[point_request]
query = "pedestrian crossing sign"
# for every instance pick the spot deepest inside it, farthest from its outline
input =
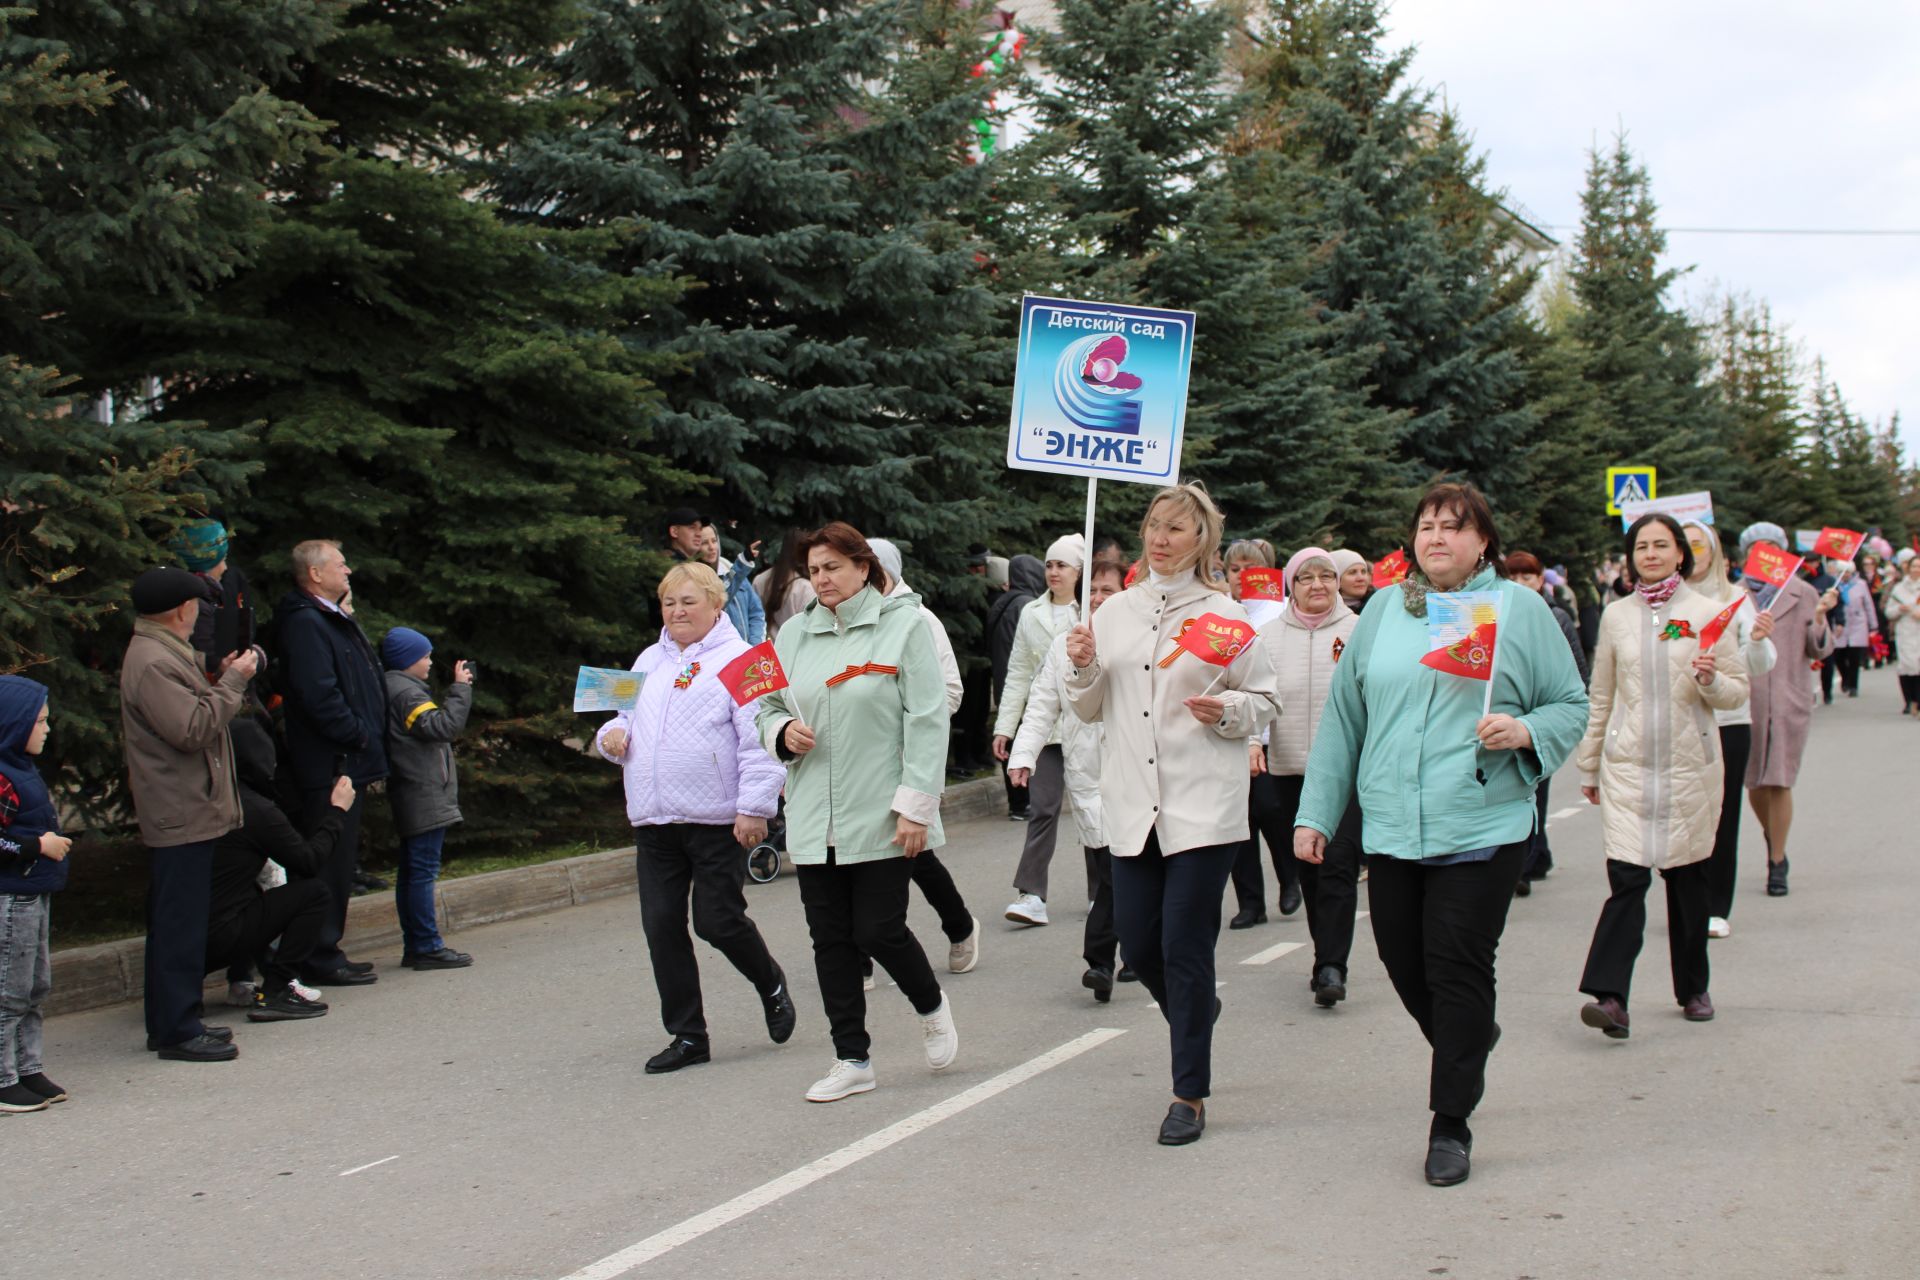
(1628, 484)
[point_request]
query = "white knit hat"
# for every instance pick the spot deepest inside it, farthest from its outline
(1071, 549)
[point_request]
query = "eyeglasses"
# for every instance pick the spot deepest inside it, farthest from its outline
(1322, 577)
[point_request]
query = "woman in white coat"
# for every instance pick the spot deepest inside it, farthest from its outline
(1903, 615)
(1750, 630)
(1173, 775)
(1047, 719)
(1651, 760)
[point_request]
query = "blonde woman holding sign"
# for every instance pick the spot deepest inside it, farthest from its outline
(1173, 773)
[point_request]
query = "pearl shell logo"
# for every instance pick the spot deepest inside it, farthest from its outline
(1092, 389)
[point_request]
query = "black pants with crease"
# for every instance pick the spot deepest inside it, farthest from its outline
(1623, 927)
(680, 863)
(1167, 911)
(854, 911)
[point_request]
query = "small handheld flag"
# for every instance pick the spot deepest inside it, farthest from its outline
(754, 674)
(1391, 569)
(1212, 638)
(1258, 583)
(1769, 564)
(1711, 633)
(606, 689)
(1838, 544)
(1470, 656)
(1463, 633)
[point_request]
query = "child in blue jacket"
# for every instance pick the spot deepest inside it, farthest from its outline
(33, 866)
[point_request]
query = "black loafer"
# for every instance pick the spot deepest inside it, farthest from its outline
(1449, 1161)
(201, 1048)
(1126, 975)
(1524, 889)
(681, 1053)
(1248, 918)
(444, 958)
(223, 1034)
(342, 978)
(1183, 1124)
(781, 1015)
(357, 966)
(1289, 899)
(1100, 982)
(1329, 987)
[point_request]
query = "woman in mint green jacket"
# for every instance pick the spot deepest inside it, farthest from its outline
(862, 725)
(1446, 794)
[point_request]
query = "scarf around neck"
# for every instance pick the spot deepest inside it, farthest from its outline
(1658, 593)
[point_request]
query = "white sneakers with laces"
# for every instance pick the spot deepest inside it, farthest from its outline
(1027, 909)
(845, 1079)
(1718, 928)
(964, 954)
(943, 1038)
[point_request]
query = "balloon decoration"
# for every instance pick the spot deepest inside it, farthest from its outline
(1006, 43)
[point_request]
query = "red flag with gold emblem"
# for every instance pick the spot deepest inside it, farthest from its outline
(1391, 569)
(1212, 638)
(754, 674)
(1258, 583)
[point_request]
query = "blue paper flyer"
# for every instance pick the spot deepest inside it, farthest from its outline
(606, 689)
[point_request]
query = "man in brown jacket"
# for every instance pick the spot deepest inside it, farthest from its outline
(180, 771)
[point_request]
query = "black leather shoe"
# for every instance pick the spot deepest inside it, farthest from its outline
(1100, 982)
(357, 966)
(781, 1015)
(1289, 899)
(201, 1048)
(1329, 987)
(444, 958)
(342, 978)
(1248, 918)
(1126, 975)
(223, 1034)
(1524, 889)
(1449, 1161)
(681, 1053)
(1183, 1124)
(1777, 879)
(1218, 1005)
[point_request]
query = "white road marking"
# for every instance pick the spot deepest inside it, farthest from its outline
(348, 1173)
(645, 1251)
(1567, 812)
(1273, 953)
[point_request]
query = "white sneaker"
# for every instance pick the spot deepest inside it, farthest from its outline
(240, 994)
(846, 1079)
(866, 983)
(964, 954)
(302, 990)
(943, 1038)
(1027, 909)
(1718, 928)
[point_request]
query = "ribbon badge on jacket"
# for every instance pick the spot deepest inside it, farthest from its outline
(754, 674)
(867, 669)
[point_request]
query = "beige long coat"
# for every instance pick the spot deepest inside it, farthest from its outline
(1652, 746)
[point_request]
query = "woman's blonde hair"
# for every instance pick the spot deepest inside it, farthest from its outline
(1192, 501)
(1251, 551)
(1715, 583)
(699, 577)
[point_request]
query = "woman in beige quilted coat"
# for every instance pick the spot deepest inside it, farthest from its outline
(1651, 761)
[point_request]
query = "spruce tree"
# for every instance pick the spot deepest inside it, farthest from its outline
(1755, 369)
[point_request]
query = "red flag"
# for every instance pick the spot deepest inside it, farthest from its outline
(1769, 564)
(1711, 633)
(754, 674)
(1391, 569)
(1470, 656)
(1212, 638)
(1257, 583)
(1838, 544)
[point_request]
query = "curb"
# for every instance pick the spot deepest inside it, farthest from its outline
(113, 972)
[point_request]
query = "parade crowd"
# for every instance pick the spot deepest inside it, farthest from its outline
(1318, 725)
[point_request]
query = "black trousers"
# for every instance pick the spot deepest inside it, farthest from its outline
(973, 734)
(1539, 852)
(854, 911)
(1910, 691)
(1331, 889)
(1623, 926)
(684, 861)
(336, 874)
(1167, 910)
(1846, 662)
(1100, 941)
(1736, 744)
(294, 913)
(935, 882)
(179, 895)
(1438, 930)
(1265, 818)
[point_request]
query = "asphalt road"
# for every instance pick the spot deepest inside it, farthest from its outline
(496, 1123)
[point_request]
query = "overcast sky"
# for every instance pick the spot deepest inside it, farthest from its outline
(1763, 114)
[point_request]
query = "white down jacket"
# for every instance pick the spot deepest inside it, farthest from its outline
(1048, 719)
(1651, 746)
(1303, 662)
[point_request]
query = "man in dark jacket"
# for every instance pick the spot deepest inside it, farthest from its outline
(243, 919)
(425, 790)
(335, 726)
(1026, 581)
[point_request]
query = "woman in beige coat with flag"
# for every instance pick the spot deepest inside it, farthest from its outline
(1651, 760)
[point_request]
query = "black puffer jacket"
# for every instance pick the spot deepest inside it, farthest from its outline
(1026, 581)
(267, 833)
(336, 707)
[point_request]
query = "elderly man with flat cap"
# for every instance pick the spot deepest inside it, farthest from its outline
(185, 795)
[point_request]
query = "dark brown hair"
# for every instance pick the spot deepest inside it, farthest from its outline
(1523, 562)
(1679, 538)
(1468, 505)
(852, 544)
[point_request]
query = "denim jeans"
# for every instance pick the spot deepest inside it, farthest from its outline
(413, 890)
(26, 976)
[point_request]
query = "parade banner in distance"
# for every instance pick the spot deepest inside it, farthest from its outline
(754, 674)
(1100, 390)
(1687, 508)
(1258, 583)
(606, 689)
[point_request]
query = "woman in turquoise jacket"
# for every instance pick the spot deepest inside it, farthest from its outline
(1446, 793)
(862, 725)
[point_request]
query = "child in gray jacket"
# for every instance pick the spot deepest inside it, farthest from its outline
(422, 787)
